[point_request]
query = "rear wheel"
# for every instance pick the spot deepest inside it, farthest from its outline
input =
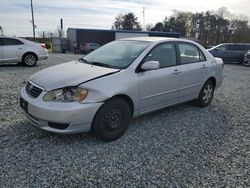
(246, 63)
(29, 59)
(206, 94)
(111, 120)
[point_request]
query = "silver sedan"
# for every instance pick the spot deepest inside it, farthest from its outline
(123, 79)
(15, 50)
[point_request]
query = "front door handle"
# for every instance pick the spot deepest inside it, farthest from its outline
(204, 66)
(176, 71)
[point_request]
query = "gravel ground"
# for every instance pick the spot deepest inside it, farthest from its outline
(181, 146)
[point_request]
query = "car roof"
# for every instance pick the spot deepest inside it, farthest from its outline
(156, 39)
(3, 36)
(234, 44)
(21, 39)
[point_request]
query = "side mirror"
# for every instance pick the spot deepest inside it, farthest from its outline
(150, 65)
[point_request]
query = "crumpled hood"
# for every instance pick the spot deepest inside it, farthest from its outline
(68, 74)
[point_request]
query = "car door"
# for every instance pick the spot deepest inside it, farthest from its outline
(160, 88)
(12, 49)
(223, 52)
(193, 70)
(237, 52)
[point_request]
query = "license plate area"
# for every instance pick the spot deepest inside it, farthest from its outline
(24, 104)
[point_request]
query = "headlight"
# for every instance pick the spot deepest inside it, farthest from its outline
(67, 94)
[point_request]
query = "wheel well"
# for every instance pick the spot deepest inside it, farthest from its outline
(213, 80)
(127, 99)
(29, 53)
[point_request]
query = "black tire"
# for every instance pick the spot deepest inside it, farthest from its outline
(112, 120)
(29, 59)
(246, 63)
(206, 94)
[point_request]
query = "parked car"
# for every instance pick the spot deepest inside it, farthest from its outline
(126, 78)
(15, 50)
(230, 52)
(88, 47)
(247, 59)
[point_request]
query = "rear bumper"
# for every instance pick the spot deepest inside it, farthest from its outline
(219, 81)
(247, 59)
(44, 56)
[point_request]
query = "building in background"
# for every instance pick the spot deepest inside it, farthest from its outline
(81, 36)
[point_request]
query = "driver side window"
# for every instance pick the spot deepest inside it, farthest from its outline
(165, 54)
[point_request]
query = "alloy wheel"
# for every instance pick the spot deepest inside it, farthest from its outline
(207, 93)
(30, 60)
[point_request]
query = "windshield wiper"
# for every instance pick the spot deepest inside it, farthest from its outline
(82, 59)
(96, 63)
(100, 64)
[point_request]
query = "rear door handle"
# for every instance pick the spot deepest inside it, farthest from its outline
(176, 71)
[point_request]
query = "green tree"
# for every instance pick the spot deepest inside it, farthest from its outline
(210, 27)
(126, 22)
(241, 31)
(158, 27)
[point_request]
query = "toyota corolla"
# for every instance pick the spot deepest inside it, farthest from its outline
(123, 79)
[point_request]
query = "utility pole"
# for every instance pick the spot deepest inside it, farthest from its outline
(33, 22)
(1, 30)
(61, 28)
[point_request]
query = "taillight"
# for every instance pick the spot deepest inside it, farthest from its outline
(43, 45)
(219, 62)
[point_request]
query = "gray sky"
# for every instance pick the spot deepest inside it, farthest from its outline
(15, 15)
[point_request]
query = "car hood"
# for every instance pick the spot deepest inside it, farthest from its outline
(69, 74)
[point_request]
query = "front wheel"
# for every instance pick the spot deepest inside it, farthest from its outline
(246, 63)
(112, 119)
(30, 59)
(206, 94)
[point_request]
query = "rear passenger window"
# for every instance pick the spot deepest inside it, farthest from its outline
(165, 54)
(247, 47)
(190, 53)
(236, 47)
(8, 41)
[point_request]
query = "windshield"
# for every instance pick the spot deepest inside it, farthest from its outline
(117, 54)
